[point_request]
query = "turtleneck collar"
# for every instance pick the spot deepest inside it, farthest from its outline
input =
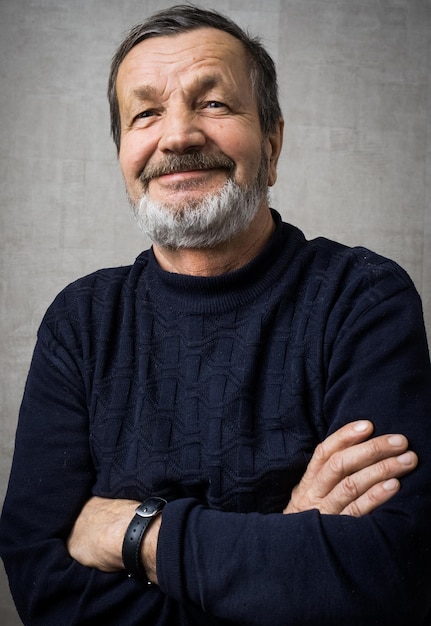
(218, 294)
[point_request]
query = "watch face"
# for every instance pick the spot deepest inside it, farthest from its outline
(151, 507)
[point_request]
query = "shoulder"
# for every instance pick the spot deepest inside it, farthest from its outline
(332, 259)
(364, 294)
(85, 300)
(331, 280)
(349, 269)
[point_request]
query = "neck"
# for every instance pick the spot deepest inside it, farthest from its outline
(227, 257)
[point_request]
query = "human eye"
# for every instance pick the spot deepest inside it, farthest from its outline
(145, 114)
(144, 118)
(215, 104)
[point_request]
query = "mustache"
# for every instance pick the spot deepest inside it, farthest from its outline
(186, 162)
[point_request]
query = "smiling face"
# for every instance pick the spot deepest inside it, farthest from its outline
(189, 94)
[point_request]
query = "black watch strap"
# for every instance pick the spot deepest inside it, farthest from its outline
(135, 532)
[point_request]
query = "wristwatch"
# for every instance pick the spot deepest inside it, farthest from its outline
(135, 532)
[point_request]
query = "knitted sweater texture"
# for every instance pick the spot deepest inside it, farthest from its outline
(213, 393)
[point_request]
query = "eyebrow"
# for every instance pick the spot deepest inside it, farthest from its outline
(201, 83)
(145, 92)
(209, 81)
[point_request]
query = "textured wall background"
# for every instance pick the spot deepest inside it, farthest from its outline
(356, 93)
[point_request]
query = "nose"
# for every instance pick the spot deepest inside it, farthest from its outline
(181, 131)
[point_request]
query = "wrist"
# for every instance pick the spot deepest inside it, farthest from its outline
(138, 551)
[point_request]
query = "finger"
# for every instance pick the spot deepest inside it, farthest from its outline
(365, 454)
(344, 463)
(357, 491)
(374, 497)
(345, 437)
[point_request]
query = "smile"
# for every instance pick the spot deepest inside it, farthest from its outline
(186, 166)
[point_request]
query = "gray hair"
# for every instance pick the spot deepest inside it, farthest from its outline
(184, 18)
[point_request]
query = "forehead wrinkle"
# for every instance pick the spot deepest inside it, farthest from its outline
(199, 84)
(206, 75)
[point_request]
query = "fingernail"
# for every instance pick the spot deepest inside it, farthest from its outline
(396, 440)
(360, 426)
(406, 458)
(391, 484)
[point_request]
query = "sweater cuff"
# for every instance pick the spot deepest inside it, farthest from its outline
(170, 545)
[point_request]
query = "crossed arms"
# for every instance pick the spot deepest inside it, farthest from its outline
(350, 548)
(346, 476)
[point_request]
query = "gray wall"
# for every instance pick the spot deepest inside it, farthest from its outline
(355, 87)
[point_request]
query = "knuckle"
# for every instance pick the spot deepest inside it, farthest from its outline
(373, 448)
(385, 467)
(332, 504)
(354, 510)
(320, 453)
(336, 464)
(373, 497)
(350, 488)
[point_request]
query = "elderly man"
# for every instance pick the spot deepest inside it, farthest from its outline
(199, 421)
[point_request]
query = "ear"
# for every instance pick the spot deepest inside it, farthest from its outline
(274, 142)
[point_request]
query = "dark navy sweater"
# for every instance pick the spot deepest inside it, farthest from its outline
(213, 393)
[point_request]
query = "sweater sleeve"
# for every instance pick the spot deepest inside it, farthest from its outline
(52, 476)
(309, 568)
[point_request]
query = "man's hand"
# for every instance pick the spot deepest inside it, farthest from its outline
(350, 476)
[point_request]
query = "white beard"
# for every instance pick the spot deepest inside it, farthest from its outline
(205, 223)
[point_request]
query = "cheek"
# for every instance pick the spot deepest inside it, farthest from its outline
(248, 159)
(131, 160)
(245, 148)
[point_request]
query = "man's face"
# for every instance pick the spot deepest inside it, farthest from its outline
(184, 94)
